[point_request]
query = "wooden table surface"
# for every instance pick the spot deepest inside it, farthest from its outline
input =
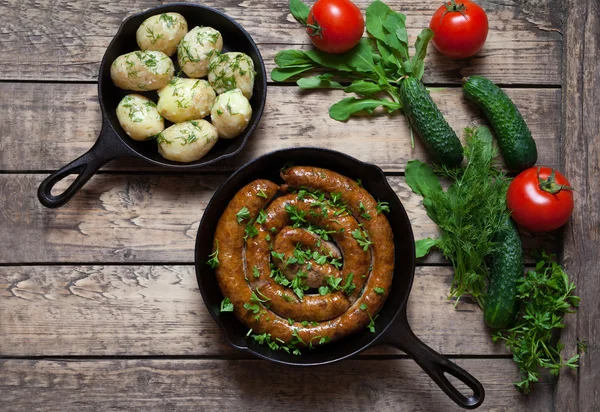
(99, 306)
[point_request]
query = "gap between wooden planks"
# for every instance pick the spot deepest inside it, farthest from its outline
(351, 385)
(50, 125)
(65, 40)
(158, 311)
(138, 219)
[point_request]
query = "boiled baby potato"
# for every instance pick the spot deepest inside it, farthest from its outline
(185, 99)
(230, 71)
(139, 118)
(231, 113)
(142, 70)
(197, 48)
(187, 141)
(162, 32)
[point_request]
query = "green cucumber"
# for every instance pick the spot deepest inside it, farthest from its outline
(506, 267)
(514, 138)
(429, 123)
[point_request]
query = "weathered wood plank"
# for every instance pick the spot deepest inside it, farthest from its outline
(64, 40)
(158, 310)
(354, 385)
(132, 218)
(51, 124)
(580, 392)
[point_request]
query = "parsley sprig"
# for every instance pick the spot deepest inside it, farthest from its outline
(546, 295)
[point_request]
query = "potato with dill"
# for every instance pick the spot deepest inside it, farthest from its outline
(185, 99)
(142, 70)
(231, 114)
(196, 49)
(187, 141)
(162, 32)
(139, 118)
(233, 70)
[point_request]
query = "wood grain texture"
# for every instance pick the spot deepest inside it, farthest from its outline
(580, 391)
(50, 125)
(135, 219)
(208, 385)
(65, 40)
(158, 310)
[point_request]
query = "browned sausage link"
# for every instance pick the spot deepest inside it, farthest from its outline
(286, 243)
(229, 236)
(281, 299)
(362, 205)
(354, 319)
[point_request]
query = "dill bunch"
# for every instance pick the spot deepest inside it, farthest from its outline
(468, 213)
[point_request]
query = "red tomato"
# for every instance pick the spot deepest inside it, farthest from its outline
(460, 29)
(335, 26)
(541, 199)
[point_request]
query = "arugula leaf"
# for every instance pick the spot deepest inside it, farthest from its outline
(322, 81)
(422, 246)
(418, 60)
(226, 305)
(281, 74)
(376, 14)
(363, 87)
(299, 10)
(293, 58)
(349, 106)
(421, 179)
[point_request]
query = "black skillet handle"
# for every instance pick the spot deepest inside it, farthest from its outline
(107, 147)
(435, 365)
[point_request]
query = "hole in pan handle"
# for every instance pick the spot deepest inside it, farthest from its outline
(400, 336)
(107, 147)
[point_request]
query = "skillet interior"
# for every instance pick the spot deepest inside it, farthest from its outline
(235, 38)
(268, 167)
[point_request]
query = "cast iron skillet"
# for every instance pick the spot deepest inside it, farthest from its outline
(392, 325)
(113, 142)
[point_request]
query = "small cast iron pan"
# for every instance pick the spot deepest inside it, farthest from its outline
(392, 325)
(113, 142)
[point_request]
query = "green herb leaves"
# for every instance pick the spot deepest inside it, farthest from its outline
(226, 305)
(349, 106)
(373, 66)
(468, 214)
(299, 11)
(242, 215)
(213, 260)
(546, 295)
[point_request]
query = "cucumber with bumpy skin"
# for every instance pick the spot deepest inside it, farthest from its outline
(429, 123)
(514, 138)
(506, 267)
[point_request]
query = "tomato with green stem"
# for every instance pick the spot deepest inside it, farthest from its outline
(540, 199)
(335, 26)
(460, 27)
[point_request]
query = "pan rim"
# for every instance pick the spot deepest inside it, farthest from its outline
(379, 335)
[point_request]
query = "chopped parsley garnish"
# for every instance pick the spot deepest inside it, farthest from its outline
(262, 217)
(362, 239)
(226, 305)
(213, 260)
(243, 214)
(260, 193)
(250, 230)
(379, 291)
(383, 207)
(252, 308)
(255, 272)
